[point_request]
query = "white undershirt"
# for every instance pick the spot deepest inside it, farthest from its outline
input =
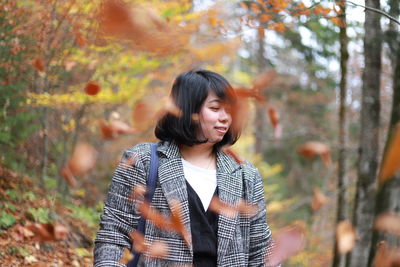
(203, 181)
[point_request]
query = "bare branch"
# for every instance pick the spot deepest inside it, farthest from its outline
(377, 11)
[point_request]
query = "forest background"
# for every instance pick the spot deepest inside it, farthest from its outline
(319, 87)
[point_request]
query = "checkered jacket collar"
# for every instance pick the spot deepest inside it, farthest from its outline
(229, 182)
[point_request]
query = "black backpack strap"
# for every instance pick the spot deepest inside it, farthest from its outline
(151, 187)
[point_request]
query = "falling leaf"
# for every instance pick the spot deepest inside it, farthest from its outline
(386, 257)
(222, 208)
(83, 159)
(157, 249)
(313, 148)
(274, 119)
(318, 200)
(176, 218)
(92, 88)
(263, 80)
(138, 241)
(138, 192)
(155, 217)
(171, 108)
(126, 257)
(114, 128)
(288, 242)
(143, 115)
(247, 93)
(388, 222)
(391, 162)
(346, 237)
(38, 64)
(68, 176)
(229, 151)
(247, 209)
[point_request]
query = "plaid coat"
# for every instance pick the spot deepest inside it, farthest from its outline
(242, 241)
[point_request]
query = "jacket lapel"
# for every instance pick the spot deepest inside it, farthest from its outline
(230, 189)
(173, 183)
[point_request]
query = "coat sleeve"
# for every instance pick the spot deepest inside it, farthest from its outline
(119, 217)
(261, 242)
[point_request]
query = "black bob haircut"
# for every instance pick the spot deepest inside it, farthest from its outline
(189, 91)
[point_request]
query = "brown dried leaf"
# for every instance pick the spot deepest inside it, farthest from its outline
(143, 115)
(92, 88)
(126, 257)
(312, 148)
(157, 249)
(138, 192)
(247, 209)
(229, 151)
(318, 200)
(391, 162)
(288, 242)
(138, 241)
(222, 208)
(388, 222)
(68, 176)
(263, 80)
(176, 219)
(155, 217)
(386, 257)
(346, 237)
(21, 233)
(83, 159)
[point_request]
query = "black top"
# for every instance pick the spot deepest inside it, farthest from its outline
(204, 227)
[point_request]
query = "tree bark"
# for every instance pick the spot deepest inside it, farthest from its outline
(388, 196)
(339, 260)
(260, 114)
(364, 208)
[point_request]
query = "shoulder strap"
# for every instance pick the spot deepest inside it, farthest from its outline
(151, 187)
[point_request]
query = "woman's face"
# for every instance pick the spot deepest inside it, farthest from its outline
(215, 119)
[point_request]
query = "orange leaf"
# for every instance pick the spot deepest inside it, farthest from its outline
(387, 257)
(176, 218)
(126, 257)
(229, 151)
(389, 223)
(83, 159)
(157, 249)
(318, 200)
(247, 209)
(138, 241)
(222, 208)
(143, 115)
(278, 27)
(289, 241)
(263, 80)
(38, 64)
(312, 148)
(391, 162)
(346, 237)
(68, 176)
(273, 117)
(212, 21)
(92, 88)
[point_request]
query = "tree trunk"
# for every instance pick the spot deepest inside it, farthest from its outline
(364, 208)
(388, 196)
(339, 260)
(260, 116)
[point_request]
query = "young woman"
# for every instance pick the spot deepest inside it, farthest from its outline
(192, 169)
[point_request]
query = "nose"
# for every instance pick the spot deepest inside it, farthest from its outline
(224, 115)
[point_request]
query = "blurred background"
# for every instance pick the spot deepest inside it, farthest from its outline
(319, 86)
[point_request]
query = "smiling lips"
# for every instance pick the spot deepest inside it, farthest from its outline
(221, 130)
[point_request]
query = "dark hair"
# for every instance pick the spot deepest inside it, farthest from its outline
(189, 91)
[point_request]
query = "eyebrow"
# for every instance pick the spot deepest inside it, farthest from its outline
(215, 100)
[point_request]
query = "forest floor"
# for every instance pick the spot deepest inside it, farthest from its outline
(37, 229)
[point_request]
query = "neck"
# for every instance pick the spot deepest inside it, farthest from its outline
(201, 155)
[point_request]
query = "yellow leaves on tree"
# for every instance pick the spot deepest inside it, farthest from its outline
(391, 162)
